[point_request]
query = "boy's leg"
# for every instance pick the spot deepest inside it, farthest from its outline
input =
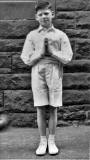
(41, 121)
(52, 127)
(52, 120)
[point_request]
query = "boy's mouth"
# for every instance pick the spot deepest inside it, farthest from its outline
(45, 20)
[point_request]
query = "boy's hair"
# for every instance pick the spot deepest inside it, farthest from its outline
(42, 5)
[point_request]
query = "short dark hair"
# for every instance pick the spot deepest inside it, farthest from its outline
(42, 5)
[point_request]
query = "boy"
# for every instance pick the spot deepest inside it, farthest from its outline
(46, 49)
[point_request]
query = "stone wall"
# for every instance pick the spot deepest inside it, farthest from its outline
(16, 20)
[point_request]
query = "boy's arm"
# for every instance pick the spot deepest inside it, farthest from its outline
(65, 53)
(35, 57)
(29, 55)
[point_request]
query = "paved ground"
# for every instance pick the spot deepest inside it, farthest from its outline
(21, 143)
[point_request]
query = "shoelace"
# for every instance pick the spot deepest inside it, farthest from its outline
(42, 144)
(52, 143)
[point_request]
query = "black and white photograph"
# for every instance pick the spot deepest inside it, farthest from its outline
(45, 79)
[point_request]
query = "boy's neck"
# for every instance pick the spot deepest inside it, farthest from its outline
(47, 27)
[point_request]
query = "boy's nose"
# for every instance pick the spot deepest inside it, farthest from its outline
(43, 15)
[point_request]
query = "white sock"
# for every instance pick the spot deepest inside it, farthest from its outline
(43, 139)
(51, 137)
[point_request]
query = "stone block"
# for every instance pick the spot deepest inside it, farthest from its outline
(1, 99)
(22, 119)
(17, 10)
(17, 28)
(5, 63)
(78, 33)
(80, 115)
(88, 7)
(63, 24)
(18, 101)
(76, 97)
(9, 54)
(18, 65)
(11, 45)
(73, 108)
(88, 115)
(79, 81)
(82, 65)
(87, 123)
(74, 114)
(15, 81)
(83, 20)
(71, 5)
(62, 123)
(65, 15)
(83, 47)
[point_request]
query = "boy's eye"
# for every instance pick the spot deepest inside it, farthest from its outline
(40, 15)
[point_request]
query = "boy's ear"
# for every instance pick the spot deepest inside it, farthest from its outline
(36, 17)
(53, 14)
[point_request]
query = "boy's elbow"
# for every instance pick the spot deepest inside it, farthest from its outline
(24, 60)
(67, 60)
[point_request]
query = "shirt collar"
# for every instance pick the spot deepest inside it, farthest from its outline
(44, 29)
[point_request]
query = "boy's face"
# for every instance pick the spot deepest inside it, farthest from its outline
(44, 17)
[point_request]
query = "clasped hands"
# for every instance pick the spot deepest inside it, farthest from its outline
(47, 49)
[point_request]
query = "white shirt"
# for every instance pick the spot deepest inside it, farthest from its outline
(57, 39)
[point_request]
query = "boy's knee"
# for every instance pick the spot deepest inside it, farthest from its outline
(41, 110)
(53, 113)
(53, 109)
(41, 113)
